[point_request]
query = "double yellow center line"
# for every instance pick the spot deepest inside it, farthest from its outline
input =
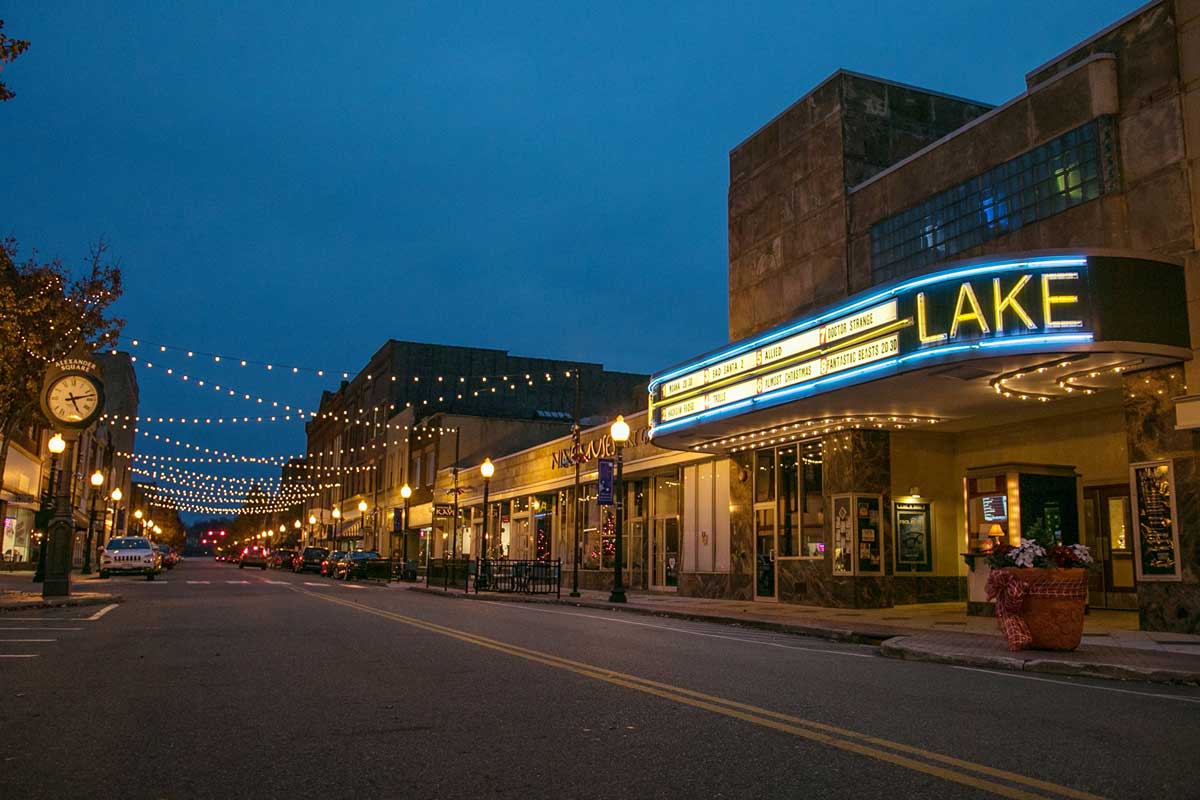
(949, 768)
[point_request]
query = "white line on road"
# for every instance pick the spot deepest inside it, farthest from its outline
(28, 640)
(306, 583)
(41, 629)
(277, 583)
(690, 633)
(100, 613)
(1180, 698)
(239, 583)
(206, 583)
(349, 586)
(18, 655)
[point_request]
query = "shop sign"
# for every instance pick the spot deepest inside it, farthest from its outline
(445, 510)
(600, 447)
(968, 306)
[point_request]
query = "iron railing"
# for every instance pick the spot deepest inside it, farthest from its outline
(523, 577)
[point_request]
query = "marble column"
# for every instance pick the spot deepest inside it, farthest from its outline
(1151, 436)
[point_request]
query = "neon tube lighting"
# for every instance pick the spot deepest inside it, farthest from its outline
(915, 283)
(772, 398)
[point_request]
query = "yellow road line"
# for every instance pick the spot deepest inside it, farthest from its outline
(832, 736)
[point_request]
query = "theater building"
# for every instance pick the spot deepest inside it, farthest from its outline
(953, 325)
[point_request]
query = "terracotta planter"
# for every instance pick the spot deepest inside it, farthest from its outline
(1040, 609)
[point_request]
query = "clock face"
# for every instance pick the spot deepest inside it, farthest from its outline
(72, 398)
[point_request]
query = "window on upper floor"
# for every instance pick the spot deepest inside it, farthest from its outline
(1064, 172)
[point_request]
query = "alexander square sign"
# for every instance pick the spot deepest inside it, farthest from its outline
(979, 309)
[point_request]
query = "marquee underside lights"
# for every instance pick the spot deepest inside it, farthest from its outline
(1059, 304)
(812, 428)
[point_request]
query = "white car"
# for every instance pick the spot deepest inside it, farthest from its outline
(130, 555)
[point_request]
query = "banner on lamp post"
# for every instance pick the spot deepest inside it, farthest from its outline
(604, 481)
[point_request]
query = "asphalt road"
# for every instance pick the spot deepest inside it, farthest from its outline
(219, 682)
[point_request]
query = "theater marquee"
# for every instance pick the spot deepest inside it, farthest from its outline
(1051, 301)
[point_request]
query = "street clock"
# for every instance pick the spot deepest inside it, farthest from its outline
(72, 393)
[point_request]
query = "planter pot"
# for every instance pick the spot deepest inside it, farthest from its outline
(1040, 609)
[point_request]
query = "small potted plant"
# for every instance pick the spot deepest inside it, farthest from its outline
(1040, 591)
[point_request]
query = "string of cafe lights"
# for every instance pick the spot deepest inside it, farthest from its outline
(511, 378)
(242, 460)
(220, 510)
(190, 477)
(199, 496)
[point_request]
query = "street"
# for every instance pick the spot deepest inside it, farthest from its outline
(219, 682)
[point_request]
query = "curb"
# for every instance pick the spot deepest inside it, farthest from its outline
(813, 631)
(66, 602)
(899, 649)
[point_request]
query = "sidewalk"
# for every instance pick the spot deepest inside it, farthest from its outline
(18, 592)
(1112, 646)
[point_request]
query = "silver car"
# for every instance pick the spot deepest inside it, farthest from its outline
(130, 555)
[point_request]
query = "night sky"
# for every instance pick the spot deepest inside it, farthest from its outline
(545, 178)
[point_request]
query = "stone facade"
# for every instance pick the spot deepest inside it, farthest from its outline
(788, 189)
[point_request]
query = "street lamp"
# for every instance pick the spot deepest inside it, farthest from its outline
(337, 515)
(56, 446)
(406, 492)
(97, 481)
(138, 516)
(620, 435)
(116, 498)
(362, 520)
(487, 469)
(312, 527)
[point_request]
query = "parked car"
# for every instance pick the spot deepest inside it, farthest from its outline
(253, 556)
(282, 558)
(130, 555)
(328, 566)
(354, 565)
(169, 557)
(309, 559)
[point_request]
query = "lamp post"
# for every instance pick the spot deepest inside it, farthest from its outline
(56, 446)
(362, 519)
(138, 516)
(406, 493)
(620, 435)
(97, 481)
(116, 498)
(312, 527)
(337, 515)
(487, 469)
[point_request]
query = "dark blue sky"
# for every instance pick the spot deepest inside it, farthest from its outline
(546, 178)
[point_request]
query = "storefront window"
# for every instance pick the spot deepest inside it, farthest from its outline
(543, 526)
(764, 476)
(17, 531)
(666, 494)
(590, 523)
(813, 534)
(788, 495)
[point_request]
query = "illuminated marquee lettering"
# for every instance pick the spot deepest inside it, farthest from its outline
(1051, 300)
(965, 292)
(923, 333)
(1010, 301)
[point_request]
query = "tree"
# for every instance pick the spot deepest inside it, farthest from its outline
(9, 50)
(46, 312)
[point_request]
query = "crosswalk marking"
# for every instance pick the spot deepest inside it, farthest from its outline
(41, 629)
(203, 582)
(28, 640)
(349, 586)
(239, 582)
(278, 583)
(307, 583)
(18, 655)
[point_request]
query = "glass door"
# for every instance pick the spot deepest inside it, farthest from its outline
(765, 539)
(1110, 531)
(666, 554)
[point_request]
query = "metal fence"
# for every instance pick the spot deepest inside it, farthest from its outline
(524, 577)
(450, 572)
(395, 569)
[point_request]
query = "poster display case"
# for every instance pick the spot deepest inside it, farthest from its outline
(912, 522)
(1156, 533)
